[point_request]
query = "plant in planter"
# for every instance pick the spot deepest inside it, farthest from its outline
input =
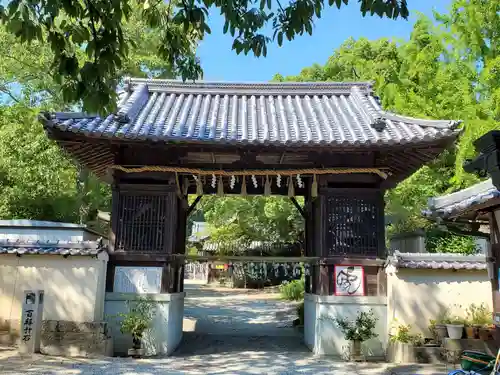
(402, 343)
(300, 315)
(136, 322)
(470, 329)
(481, 319)
(358, 330)
(455, 328)
(438, 326)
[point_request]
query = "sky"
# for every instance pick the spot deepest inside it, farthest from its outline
(220, 63)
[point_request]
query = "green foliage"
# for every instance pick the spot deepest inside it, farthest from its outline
(138, 319)
(448, 69)
(292, 290)
(360, 329)
(479, 315)
(443, 242)
(403, 335)
(242, 220)
(37, 180)
(444, 317)
(98, 29)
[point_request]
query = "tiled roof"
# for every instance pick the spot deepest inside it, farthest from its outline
(38, 223)
(341, 114)
(437, 261)
(451, 204)
(50, 248)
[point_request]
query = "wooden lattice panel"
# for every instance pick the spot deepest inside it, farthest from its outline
(354, 223)
(144, 222)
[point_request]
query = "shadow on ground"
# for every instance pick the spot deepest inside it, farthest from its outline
(244, 363)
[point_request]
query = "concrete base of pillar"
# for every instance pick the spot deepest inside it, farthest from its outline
(323, 337)
(166, 328)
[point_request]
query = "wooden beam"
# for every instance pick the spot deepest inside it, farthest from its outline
(193, 205)
(297, 206)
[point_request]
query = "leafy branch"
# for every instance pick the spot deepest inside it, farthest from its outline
(97, 28)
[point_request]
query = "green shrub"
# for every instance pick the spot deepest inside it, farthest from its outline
(404, 335)
(444, 242)
(292, 290)
(360, 329)
(479, 315)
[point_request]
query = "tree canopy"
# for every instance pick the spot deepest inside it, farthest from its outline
(98, 30)
(448, 69)
(37, 180)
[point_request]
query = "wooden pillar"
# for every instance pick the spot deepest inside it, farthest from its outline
(349, 230)
(494, 260)
(144, 229)
(180, 243)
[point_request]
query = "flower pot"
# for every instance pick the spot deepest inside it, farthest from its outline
(455, 331)
(399, 352)
(470, 332)
(484, 333)
(356, 350)
(441, 331)
(136, 353)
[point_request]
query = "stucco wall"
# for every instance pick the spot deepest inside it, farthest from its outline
(165, 333)
(417, 295)
(74, 286)
(322, 335)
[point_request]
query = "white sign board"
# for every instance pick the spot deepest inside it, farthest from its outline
(349, 280)
(137, 280)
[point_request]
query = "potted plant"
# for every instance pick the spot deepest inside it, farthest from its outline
(136, 322)
(455, 328)
(438, 326)
(358, 330)
(402, 344)
(470, 329)
(481, 319)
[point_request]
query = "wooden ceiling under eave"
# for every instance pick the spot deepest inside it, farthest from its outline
(98, 154)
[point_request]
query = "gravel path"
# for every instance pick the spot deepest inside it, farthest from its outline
(236, 312)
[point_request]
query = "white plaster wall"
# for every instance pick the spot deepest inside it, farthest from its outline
(322, 335)
(310, 321)
(165, 333)
(73, 286)
(417, 295)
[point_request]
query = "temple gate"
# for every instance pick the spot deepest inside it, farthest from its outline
(328, 142)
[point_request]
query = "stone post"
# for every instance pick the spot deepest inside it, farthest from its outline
(31, 321)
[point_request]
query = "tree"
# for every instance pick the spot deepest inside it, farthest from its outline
(37, 180)
(246, 219)
(424, 77)
(26, 74)
(97, 29)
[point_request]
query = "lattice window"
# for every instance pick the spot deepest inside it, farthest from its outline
(143, 222)
(354, 224)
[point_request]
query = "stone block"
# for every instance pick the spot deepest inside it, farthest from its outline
(429, 354)
(469, 344)
(10, 332)
(398, 352)
(75, 327)
(75, 339)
